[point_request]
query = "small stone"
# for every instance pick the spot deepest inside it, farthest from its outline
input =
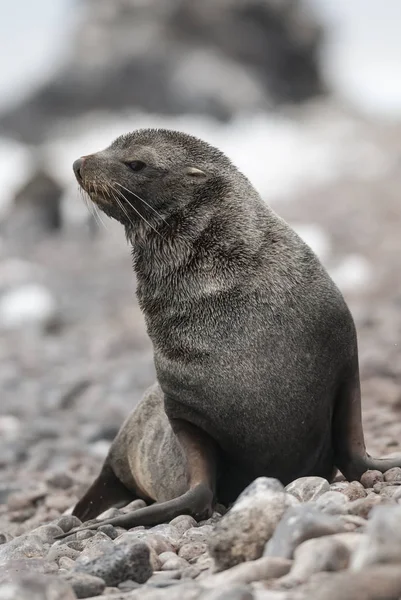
(85, 586)
(374, 583)
(60, 480)
(11, 569)
(243, 531)
(393, 475)
(354, 491)
(369, 478)
(333, 503)
(231, 592)
(35, 586)
(299, 524)
(22, 547)
(382, 542)
(134, 505)
(109, 530)
(58, 501)
(68, 522)
(66, 563)
(390, 491)
(307, 489)
(363, 506)
(110, 513)
(29, 304)
(167, 531)
(47, 533)
(198, 535)
(165, 556)
(183, 523)
(129, 585)
(96, 546)
(174, 564)
(122, 563)
(261, 569)
(315, 555)
(26, 499)
(192, 550)
(56, 552)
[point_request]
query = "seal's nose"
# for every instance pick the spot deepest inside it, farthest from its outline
(77, 166)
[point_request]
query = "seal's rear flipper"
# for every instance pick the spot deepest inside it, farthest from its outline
(351, 457)
(105, 492)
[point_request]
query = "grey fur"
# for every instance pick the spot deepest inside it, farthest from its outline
(253, 343)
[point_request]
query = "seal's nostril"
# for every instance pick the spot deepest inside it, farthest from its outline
(77, 166)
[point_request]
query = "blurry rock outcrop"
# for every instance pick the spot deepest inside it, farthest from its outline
(214, 57)
(35, 210)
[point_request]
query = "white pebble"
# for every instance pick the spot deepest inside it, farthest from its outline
(28, 304)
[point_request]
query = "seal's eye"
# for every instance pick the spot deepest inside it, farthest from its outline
(136, 165)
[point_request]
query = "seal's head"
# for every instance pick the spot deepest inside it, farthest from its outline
(151, 174)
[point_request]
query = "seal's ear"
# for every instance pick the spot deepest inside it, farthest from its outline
(195, 173)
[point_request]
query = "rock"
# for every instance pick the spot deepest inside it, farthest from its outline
(59, 501)
(56, 552)
(333, 503)
(122, 563)
(192, 550)
(230, 592)
(84, 585)
(354, 491)
(62, 480)
(299, 524)
(374, 583)
(307, 489)
(26, 498)
(187, 58)
(28, 305)
(260, 569)
(36, 587)
(351, 540)
(243, 532)
(315, 555)
(46, 533)
(369, 478)
(36, 210)
(11, 569)
(134, 505)
(129, 585)
(183, 523)
(198, 535)
(174, 564)
(66, 563)
(363, 506)
(68, 522)
(165, 556)
(96, 546)
(393, 475)
(109, 530)
(24, 546)
(382, 542)
(169, 532)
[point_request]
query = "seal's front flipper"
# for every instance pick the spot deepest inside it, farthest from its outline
(105, 492)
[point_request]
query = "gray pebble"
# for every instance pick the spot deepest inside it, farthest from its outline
(84, 585)
(109, 530)
(95, 546)
(333, 503)
(382, 540)
(68, 522)
(128, 585)
(66, 563)
(56, 552)
(34, 586)
(230, 592)
(197, 535)
(134, 505)
(122, 563)
(393, 475)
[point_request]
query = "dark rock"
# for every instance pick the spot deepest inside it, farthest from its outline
(68, 522)
(122, 563)
(84, 585)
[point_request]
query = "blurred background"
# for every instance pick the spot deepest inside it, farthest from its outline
(303, 95)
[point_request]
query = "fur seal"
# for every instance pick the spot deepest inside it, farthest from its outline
(254, 346)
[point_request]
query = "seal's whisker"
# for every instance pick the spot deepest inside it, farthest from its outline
(121, 195)
(142, 200)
